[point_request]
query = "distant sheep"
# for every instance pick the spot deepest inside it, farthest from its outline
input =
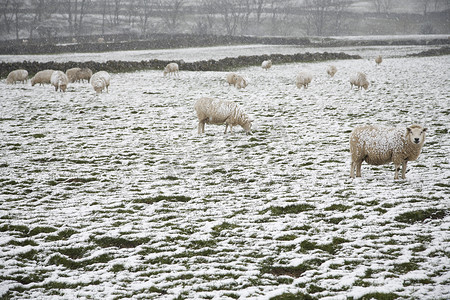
(17, 75)
(42, 77)
(171, 68)
(100, 81)
(382, 145)
(359, 80)
(72, 74)
(378, 59)
(331, 70)
(237, 80)
(303, 79)
(266, 65)
(214, 111)
(59, 80)
(84, 74)
(100, 40)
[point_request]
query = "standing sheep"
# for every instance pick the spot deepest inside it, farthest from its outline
(237, 80)
(59, 80)
(231, 78)
(359, 80)
(266, 65)
(303, 79)
(171, 68)
(42, 77)
(331, 70)
(100, 81)
(382, 145)
(72, 74)
(17, 75)
(378, 59)
(84, 74)
(214, 111)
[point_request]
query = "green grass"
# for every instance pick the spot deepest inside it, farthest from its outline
(119, 242)
(289, 209)
(172, 198)
(291, 296)
(412, 217)
(295, 271)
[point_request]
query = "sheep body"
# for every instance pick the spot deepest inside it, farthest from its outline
(72, 74)
(303, 79)
(237, 80)
(84, 74)
(381, 145)
(17, 75)
(331, 70)
(171, 68)
(59, 80)
(267, 64)
(42, 77)
(100, 81)
(359, 80)
(231, 78)
(214, 111)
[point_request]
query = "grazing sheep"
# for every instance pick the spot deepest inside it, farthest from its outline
(213, 111)
(359, 80)
(59, 80)
(17, 75)
(237, 80)
(382, 145)
(72, 74)
(42, 77)
(266, 65)
(100, 40)
(100, 81)
(84, 74)
(303, 79)
(171, 68)
(231, 78)
(331, 70)
(378, 59)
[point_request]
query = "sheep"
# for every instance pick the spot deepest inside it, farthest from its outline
(214, 111)
(72, 74)
(231, 78)
(42, 77)
(266, 65)
(303, 79)
(84, 74)
(17, 75)
(378, 59)
(382, 145)
(331, 70)
(237, 80)
(359, 80)
(171, 68)
(59, 80)
(100, 40)
(100, 81)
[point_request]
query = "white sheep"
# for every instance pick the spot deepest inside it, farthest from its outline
(17, 75)
(59, 80)
(331, 70)
(266, 65)
(42, 77)
(378, 59)
(382, 145)
(237, 80)
(359, 80)
(303, 79)
(100, 40)
(214, 111)
(72, 74)
(171, 68)
(100, 81)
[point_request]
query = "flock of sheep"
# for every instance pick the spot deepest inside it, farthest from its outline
(60, 80)
(373, 144)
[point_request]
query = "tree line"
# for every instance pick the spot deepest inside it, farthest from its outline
(48, 18)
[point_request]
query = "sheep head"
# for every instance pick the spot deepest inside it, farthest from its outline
(416, 134)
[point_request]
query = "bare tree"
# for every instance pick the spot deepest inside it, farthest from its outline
(208, 8)
(172, 15)
(231, 13)
(7, 18)
(146, 8)
(321, 12)
(75, 12)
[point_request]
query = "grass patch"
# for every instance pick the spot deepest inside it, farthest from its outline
(377, 296)
(290, 209)
(74, 252)
(291, 296)
(295, 271)
(172, 198)
(338, 207)
(107, 242)
(77, 264)
(404, 268)
(331, 248)
(225, 226)
(421, 215)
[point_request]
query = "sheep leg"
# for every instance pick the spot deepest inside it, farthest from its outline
(358, 168)
(352, 169)
(404, 169)
(397, 168)
(226, 127)
(201, 126)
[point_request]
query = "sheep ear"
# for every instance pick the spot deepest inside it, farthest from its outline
(408, 130)
(425, 129)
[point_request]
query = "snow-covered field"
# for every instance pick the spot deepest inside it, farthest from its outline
(116, 196)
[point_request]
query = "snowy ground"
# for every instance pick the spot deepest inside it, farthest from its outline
(116, 196)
